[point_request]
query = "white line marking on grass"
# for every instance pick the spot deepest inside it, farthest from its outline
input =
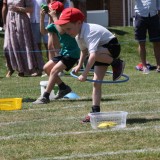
(150, 112)
(57, 134)
(135, 101)
(109, 95)
(68, 118)
(48, 108)
(130, 93)
(145, 150)
(34, 120)
(109, 102)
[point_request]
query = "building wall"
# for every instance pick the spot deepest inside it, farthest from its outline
(93, 5)
(115, 10)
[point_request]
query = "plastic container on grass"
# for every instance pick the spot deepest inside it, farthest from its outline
(10, 103)
(43, 85)
(103, 120)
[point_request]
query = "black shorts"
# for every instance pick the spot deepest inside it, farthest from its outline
(114, 48)
(67, 61)
(147, 24)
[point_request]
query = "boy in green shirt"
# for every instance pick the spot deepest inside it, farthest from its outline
(67, 52)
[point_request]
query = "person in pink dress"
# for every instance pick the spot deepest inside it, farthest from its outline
(21, 51)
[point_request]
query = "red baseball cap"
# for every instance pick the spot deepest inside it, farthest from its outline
(56, 5)
(70, 15)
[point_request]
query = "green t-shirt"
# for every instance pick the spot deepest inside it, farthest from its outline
(69, 46)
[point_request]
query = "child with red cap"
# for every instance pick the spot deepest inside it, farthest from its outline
(100, 43)
(66, 58)
(51, 53)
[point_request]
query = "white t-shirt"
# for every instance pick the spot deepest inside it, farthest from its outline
(93, 36)
(35, 16)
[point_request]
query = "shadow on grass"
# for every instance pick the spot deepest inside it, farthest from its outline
(27, 100)
(86, 99)
(2, 77)
(141, 120)
(118, 32)
(1, 35)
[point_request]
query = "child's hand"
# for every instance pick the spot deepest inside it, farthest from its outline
(76, 69)
(53, 15)
(82, 78)
(42, 13)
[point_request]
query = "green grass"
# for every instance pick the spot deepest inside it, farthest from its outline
(54, 131)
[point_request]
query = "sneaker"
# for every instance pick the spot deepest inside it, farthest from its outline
(158, 70)
(36, 74)
(41, 100)
(139, 67)
(118, 69)
(44, 75)
(86, 119)
(62, 93)
(145, 70)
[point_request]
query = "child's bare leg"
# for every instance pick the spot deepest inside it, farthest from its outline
(104, 57)
(117, 64)
(53, 77)
(53, 45)
(48, 67)
(99, 73)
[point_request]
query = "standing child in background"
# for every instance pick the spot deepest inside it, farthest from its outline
(66, 59)
(51, 47)
(102, 46)
(147, 20)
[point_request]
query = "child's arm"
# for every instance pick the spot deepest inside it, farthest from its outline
(89, 65)
(42, 26)
(82, 58)
(54, 18)
(53, 39)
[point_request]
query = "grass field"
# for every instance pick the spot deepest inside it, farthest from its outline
(54, 131)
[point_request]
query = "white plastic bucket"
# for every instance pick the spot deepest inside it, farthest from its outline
(43, 85)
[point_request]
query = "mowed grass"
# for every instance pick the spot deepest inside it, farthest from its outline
(54, 131)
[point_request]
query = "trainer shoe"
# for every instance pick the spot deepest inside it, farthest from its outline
(41, 100)
(44, 75)
(158, 70)
(62, 93)
(86, 119)
(145, 70)
(118, 69)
